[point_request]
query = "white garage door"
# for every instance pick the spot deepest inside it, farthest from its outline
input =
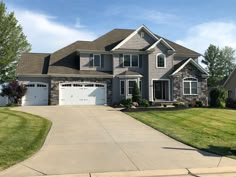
(36, 94)
(82, 94)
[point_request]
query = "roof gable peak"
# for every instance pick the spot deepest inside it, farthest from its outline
(142, 27)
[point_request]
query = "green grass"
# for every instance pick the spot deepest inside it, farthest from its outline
(213, 130)
(21, 135)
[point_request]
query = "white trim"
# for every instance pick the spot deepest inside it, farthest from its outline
(168, 88)
(120, 87)
(130, 61)
(194, 63)
(129, 76)
(163, 41)
(132, 34)
(190, 85)
(157, 60)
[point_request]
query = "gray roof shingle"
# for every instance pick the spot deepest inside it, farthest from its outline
(64, 61)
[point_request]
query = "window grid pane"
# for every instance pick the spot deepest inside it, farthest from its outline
(134, 60)
(127, 60)
(97, 60)
(161, 61)
(122, 87)
(131, 87)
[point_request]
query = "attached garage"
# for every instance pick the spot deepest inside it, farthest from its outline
(82, 93)
(36, 94)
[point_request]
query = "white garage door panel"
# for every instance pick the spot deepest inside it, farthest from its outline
(36, 94)
(82, 94)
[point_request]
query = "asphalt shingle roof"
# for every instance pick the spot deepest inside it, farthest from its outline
(64, 61)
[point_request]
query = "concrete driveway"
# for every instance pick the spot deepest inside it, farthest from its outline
(101, 139)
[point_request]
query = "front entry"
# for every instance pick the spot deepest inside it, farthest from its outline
(161, 90)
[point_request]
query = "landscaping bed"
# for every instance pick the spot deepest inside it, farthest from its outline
(21, 135)
(212, 130)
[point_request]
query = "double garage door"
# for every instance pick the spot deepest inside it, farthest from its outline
(79, 93)
(36, 94)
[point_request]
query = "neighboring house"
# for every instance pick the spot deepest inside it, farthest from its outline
(230, 85)
(105, 70)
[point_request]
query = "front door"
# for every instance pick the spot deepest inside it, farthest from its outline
(160, 90)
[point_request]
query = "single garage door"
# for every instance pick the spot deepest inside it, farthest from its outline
(36, 94)
(82, 93)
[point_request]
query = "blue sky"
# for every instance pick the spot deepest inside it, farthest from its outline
(50, 25)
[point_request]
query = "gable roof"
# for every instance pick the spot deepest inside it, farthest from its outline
(33, 63)
(163, 42)
(142, 27)
(182, 64)
(230, 76)
(107, 42)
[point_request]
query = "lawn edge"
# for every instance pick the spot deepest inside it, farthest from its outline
(49, 126)
(176, 138)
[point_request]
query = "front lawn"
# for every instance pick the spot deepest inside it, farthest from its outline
(213, 130)
(21, 135)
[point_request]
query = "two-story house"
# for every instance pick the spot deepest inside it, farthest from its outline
(105, 70)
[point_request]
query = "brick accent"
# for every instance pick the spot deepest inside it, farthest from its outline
(189, 71)
(54, 94)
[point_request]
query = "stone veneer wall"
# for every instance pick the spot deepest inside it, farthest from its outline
(54, 95)
(189, 71)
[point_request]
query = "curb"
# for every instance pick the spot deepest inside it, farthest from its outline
(197, 172)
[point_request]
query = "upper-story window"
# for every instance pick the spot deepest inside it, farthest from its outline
(131, 60)
(190, 86)
(161, 61)
(95, 60)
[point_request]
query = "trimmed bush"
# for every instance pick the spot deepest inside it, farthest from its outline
(199, 103)
(231, 103)
(218, 97)
(136, 97)
(127, 103)
(144, 102)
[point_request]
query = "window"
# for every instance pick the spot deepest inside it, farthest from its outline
(41, 85)
(161, 61)
(29, 85)
(140, 86)
(122, 87)
(131, 87)
(96, 60)
(230, 94)
(142, 34)
(126, 60)
(99, 85)
(190, 86)
(134, 60)
(131, 60)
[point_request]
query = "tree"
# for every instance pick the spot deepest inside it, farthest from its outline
(218, 97)
(220, 63)
(228, 58)
(14, 91)
(12, 43)
(136, 93)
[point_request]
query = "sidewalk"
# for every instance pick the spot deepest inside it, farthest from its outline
(196, 172)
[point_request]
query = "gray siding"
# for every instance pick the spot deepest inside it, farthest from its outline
(84, 62)
(137, 42)
(231, 85)
(158, 73)
(116, 81)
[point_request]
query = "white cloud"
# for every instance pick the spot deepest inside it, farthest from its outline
(141, 14)
(47, 35)
(201, 36)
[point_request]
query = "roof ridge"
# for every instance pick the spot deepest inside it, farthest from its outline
(36, 53)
